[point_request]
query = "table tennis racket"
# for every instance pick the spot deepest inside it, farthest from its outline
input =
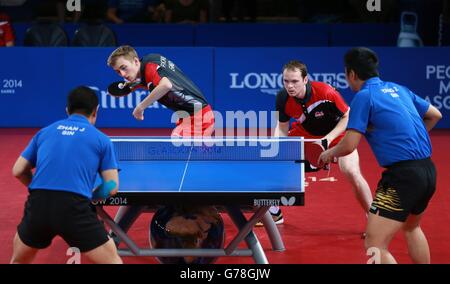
(120, 88)
(313, 151)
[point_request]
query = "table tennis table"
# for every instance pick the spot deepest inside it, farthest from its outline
(236, 174)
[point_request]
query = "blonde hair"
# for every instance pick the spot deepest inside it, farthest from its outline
(126, 51)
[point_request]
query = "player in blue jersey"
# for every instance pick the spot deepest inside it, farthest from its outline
(395, 122)
(67, 155)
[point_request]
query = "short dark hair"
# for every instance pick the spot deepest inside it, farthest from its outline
(363, 61)
(82, 100)
(295, 64)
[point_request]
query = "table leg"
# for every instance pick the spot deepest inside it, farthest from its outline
(245, 231)
(273, 232)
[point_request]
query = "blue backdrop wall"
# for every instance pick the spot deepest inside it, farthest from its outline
(34, 82)
(226, 35)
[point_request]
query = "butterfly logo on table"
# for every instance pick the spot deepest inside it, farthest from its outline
(287, 201)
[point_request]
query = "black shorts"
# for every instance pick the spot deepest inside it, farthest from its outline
(405, 188)
(49, 213)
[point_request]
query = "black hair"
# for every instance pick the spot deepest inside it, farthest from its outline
(82, 100)
(363, 61)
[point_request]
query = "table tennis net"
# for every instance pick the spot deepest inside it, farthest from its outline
(222, 150)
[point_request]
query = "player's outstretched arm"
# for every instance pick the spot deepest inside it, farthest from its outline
(347, 145)
(338, 129)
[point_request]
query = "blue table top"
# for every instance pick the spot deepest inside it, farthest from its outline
(216, 176)
(153, 170)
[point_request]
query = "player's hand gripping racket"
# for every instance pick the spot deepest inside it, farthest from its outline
(120, 88)
(313, 149)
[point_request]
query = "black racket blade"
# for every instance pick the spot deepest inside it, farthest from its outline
(119, 89)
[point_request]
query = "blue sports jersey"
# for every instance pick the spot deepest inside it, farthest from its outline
(390, 117)
(68, 155)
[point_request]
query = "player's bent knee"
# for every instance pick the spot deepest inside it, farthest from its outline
(376, 240)
(351, 172)
(105, 254)
(22, 253)
(112, 251)
(369, 242)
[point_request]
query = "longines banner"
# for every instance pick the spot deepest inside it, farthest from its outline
(240, 83)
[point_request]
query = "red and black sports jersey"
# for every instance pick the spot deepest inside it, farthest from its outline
(318, 113)
(184, 94)
(6, 33)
